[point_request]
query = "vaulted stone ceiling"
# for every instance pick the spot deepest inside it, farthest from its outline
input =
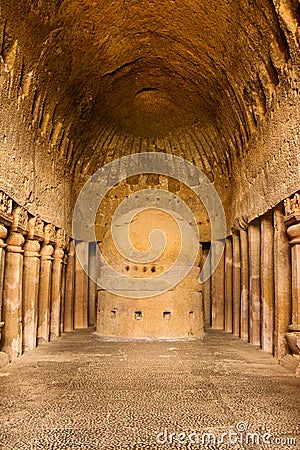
(191, 77)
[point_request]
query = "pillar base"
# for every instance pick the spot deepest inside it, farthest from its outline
(294, 328)
(1, 328)
(293, 340)
(291, 363)
(4, 359)
(41, 341)
(53, 337)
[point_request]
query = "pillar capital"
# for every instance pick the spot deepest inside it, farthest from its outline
(61, 239)
(48, 242)
(71, 247)
(239, 223)
(292, 212)
(35, 228)
(292, 223)
(20, 220)
(61, 244)
(49, 234)
(58, 252)
(6, 209)
(46, 251)
(31, 248)
(34, 236)
(293, 232)
(3, 235)
(18, 229)
(292, 218)
(15, 242)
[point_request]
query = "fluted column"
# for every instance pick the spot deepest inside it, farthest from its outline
(12, 301)
(45, 284)
(56, 297)
(31, 271)
(236, 282)
(69, 289)
(228, 285)
(267, 282)
(254, 283)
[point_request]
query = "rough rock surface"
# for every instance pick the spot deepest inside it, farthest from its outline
(85, 82)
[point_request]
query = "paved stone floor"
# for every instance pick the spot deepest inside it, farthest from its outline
(81, 392)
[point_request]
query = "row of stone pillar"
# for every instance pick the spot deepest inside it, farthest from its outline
(249, 293)
(39, 274)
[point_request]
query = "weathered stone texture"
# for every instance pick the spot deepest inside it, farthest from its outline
(32, 169)
(214, 82)
(270, 171)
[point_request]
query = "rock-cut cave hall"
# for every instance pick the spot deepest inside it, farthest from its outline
(149, 223)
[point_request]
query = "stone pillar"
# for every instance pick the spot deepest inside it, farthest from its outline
(63, 285)
(31, 271)
(206, 292)
(6, 217)
(81, 287)
(56, 282)
(45, 284)
(292, 222)
(3, 235)
(254, 283)
(70, 289)
(92, 285)
(228, 286)
(294, 236)
(267, 283)
(236, 282)
(244, 329)
(218, 295)
(282, 284)
(12, 301)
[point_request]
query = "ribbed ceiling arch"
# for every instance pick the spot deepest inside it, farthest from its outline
(193, 78)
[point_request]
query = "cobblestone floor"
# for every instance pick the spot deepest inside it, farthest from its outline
(81, 392)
